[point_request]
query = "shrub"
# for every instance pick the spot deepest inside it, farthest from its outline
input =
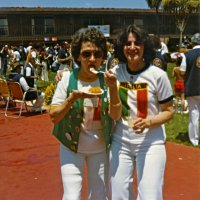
(49, 93)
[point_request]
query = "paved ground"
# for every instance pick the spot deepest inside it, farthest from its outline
(29, 163)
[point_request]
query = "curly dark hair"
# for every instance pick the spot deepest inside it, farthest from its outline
(141, 36)
(88, 35)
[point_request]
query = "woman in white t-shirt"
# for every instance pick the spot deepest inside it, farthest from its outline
(83, 120)
(147, 103)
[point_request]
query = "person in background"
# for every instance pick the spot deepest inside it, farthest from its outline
(51, 54)
(164, 48)
(4, 54)
(139, 136)
(15, 56)
(83, 121)
(190, 69)
(44, 65)
(179, 83)
(29, 72)
(110, 55)
(162, 56)
(64, 57)
(23, 54)
(31, 94)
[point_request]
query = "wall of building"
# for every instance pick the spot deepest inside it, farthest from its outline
(67, 21)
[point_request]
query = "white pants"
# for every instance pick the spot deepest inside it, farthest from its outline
(72, 167)
(150, 165)
(194, 109)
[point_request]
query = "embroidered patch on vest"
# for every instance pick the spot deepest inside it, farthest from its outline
(198, 62)
(68, 136)
(157, 62)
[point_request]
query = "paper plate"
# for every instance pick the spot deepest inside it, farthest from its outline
(86, 91)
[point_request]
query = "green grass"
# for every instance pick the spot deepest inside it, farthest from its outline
(42, 85)
(177, 128)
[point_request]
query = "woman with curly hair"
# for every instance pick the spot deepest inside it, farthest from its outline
(83, 121)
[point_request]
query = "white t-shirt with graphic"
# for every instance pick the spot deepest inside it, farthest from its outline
(91, 138)
(142, 94)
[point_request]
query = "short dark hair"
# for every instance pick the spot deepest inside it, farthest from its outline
(16, 67)
(88, 35)
(142, 36)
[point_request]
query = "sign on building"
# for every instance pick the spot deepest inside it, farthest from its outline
(105, 29)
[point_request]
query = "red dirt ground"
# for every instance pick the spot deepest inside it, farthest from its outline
(30, 170)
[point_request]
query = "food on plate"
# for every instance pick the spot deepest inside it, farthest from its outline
(95, 90)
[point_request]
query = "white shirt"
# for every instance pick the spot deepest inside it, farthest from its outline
(149, 87)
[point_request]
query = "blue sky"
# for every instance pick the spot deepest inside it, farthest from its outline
(75, 3)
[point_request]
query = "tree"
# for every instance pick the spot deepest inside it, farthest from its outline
(155, 4)
(181, 10)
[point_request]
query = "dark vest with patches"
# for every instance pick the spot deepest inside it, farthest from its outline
(192, 75)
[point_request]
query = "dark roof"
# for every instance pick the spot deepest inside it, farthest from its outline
(10, 10)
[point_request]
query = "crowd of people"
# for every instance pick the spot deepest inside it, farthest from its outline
(49, 57)
(28, 64)
(119, 129)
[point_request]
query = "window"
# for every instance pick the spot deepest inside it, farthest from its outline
(37, 26)
(128, 20)
(95, 20)
(41, 26)
(3, 27)
(49, 25)
(138, 22)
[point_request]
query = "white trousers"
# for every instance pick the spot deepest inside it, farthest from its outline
(72, 168)
(193, 128)
(150, 165)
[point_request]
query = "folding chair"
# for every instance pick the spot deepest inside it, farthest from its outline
(17, 95)
(4, 91)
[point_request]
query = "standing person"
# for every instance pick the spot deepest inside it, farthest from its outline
(190, 68)
(162, 57)
(83, 121)
(64, 57)
(51, 54)
(146, 95)
(179, 83)
(16, 56)
(4, 60)
(23, 54)
(29, 72)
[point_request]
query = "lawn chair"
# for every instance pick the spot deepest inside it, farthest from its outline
(17, 95)
(4, 91)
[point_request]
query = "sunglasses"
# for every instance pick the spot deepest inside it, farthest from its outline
(88, 54)
(136, 43)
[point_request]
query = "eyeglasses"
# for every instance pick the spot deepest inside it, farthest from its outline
(136, 43)
(88, 54)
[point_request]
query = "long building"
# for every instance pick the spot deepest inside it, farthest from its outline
(24, 25)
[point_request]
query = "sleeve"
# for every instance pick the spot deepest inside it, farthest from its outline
(60, 93)
(24, 84)
(27, 71)
(183, 63)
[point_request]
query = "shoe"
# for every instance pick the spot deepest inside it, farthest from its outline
(37, 110)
